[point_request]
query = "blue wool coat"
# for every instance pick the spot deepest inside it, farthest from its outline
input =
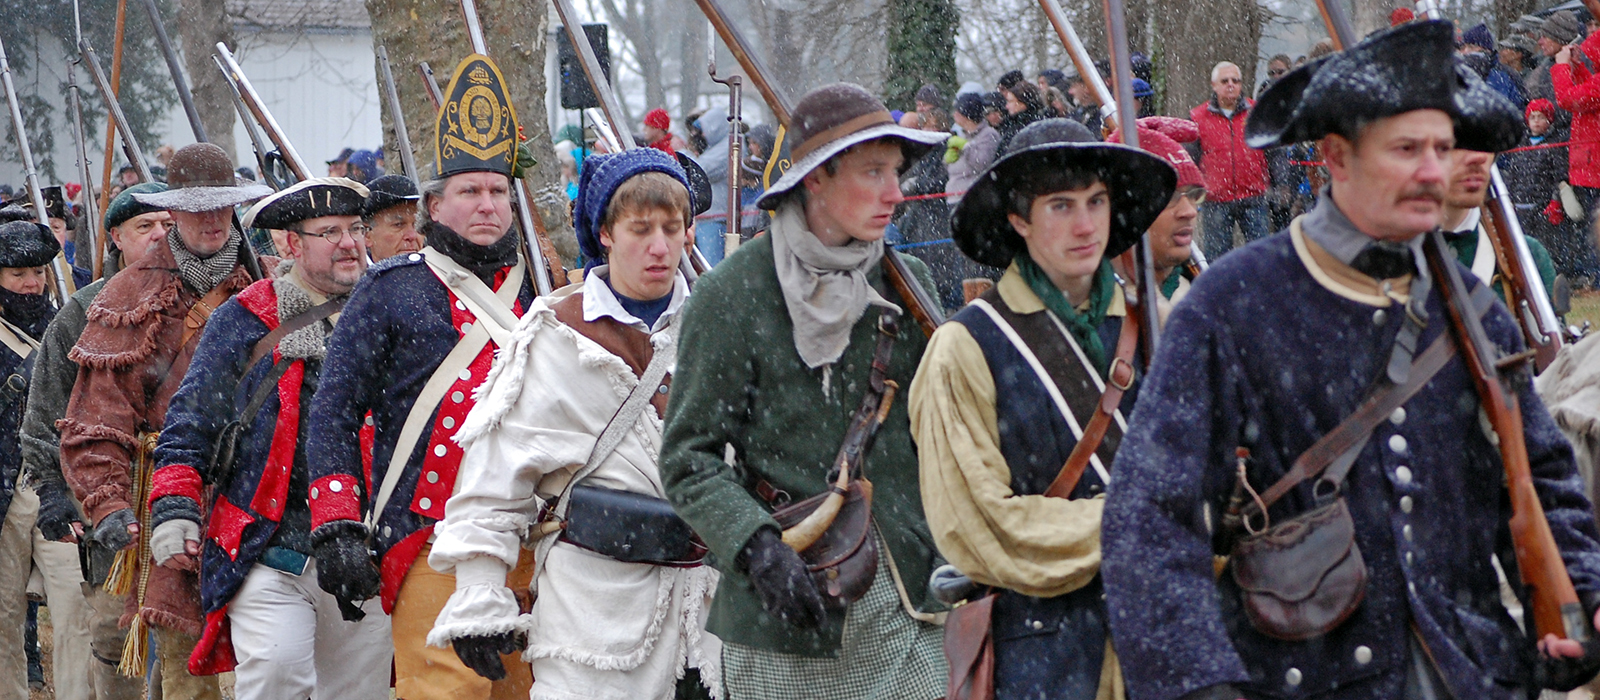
(1263, 355)
(398, 326)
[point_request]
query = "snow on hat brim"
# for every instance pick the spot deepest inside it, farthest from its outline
(1140, 185)
(203, 199)
(602, 175)
(124, 206)
(27, 244)
(913, 142)
(308, 199)
(389, 191)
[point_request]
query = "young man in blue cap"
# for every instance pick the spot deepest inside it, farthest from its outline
(608, 622)
(1384, 582)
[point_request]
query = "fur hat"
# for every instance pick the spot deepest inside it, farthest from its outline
(1163, 136)
(1410, 67)
(308, 199)
(602, 175)
(389, 191)
(124, 206)
(200, 178)
(832, 118)
(1140, 185)
(27, 244)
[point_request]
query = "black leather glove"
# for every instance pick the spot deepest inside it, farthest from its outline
(57, 511)
(482, 653)
(344, 564)
(112, 530)
(781, 580)
(1567, 674)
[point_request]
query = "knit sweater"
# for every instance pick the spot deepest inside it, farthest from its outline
(740, 382)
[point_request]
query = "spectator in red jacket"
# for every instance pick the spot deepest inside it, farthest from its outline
(1236, 175)
(1578, 91)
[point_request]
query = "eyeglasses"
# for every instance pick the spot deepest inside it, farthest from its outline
(1196, 195)
(334, 234)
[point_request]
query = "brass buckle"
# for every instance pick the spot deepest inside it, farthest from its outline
(1111, 376)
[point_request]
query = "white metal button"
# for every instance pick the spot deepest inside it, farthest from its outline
(433, 478)
(1410, 558)
(1363, 655)
(460, 305)
(1399, 416)
(414, 257)
(1379, 317)
(1405, 504)
(313, 492)
(386, 531)
(466, 375)
(661, 389)
(439, 450)
(335, 486)
(369, 420)
(1397, 443)
(1407, 533)
(448, 422)
(457, 396)
(1411, 587)
(1293, 677)
(425, 503)
(1403, 475)
(1038, 625)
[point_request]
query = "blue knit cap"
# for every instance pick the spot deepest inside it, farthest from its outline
(602, 175)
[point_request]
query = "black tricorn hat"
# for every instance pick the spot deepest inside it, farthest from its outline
(477, 127)
(1140, 185)
(390, 191)
(1394, 71)
(55, 202)
(307, 199)
(27, 244)
(699, 183)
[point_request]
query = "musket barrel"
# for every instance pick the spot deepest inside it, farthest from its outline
(256, 143)
(402, 137)
(63, 275)
(247, 92)
(1081, 60)
(130, 144)
(474, 30)
(777, 100)
(182, 84)
(91, 214)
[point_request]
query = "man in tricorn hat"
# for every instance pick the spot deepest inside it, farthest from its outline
(1394, 592)
(142, 331)
(258, 365)
(391, 212)
(777, 350)
(1003, 399)
(132, 228)
(417, 339)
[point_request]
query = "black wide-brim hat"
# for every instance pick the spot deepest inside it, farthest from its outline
(27, 244)
(307, 199)
(699, 184)
(1140, 185)
(390, 191)
(1394, 71)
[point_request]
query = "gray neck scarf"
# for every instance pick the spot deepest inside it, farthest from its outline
(309, 342)
(204, 274)
(824, 287)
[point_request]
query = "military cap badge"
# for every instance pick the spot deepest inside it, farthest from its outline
(477, 127)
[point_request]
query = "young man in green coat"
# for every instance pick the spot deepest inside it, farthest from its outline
(774, 356)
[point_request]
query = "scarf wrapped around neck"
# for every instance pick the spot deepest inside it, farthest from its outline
(204, 274)
(824, 287)
(1083, 325)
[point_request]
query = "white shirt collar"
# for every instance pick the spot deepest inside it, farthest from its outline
(1470, 223)
(599, 301)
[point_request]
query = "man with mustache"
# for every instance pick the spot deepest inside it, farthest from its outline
(255, 370)
(1171, 237)
(1461, 217)
(142, 332)
(1280, 342)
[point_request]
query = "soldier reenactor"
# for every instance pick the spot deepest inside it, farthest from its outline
(777, 349)
(132, 229)
(1461, 216)
(1009, 405)
(141, 334)
(417, 338)
(1368, 570)
(391, 212)
(236, 423)
(588, 361)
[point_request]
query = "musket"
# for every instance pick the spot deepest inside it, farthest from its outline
(252, 102)
(58, 266)
(735, 226)
(532, 226)
(1122, 70)
(176, 68)
(266, 160)
(91, 210)
(402, 138)
(1084, 62)
(923, 307)
(130, 144)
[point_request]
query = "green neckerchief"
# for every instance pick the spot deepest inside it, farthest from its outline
(1169, 286)
(1084, 326)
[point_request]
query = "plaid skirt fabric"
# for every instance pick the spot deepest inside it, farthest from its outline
(885, 654)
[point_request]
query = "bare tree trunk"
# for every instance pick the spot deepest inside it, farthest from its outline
(1196, 35)
(691, 55)
(203, 23)
(435, 31)
(1507, 11)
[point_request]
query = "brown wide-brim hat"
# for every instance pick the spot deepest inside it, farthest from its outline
(200, 178)
(832, 118)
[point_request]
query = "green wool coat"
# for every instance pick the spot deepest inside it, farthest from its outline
(740, 381)
(1466, 248)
